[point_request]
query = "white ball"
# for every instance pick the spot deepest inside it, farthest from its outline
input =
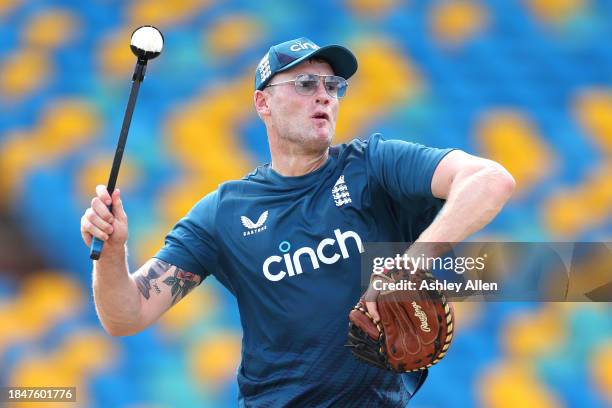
(148, 38)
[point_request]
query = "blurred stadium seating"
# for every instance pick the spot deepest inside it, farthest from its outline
(527, 83)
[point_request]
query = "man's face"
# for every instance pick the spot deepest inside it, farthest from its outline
(310, 120)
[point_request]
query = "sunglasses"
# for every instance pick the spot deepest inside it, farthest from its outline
(307, 84)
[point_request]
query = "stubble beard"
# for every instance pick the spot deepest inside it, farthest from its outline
(307, 139)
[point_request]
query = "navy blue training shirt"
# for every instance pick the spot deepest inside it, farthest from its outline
(288, 249)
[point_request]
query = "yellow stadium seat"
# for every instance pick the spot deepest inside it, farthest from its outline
(385, 79)
(65, 126)
(115, 59)
(81, 355)
(47, 297)
(373, 8)
(455, 22)
(512, 385)
(46, 371)
(163, 13)
(214, 360)
(24, 72)
(593, 108)
(232, 34)
(564, 211)
(10, 329)
(555, 11)
(204, 138)
(75, 354)
(16, 158)
(563, 215)
(529, 335)
(50, 29)
(96, 171)
(601, 368)
(6, 6)
(509, 138)
(37, 370)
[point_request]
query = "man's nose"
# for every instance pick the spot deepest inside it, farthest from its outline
(321, 94)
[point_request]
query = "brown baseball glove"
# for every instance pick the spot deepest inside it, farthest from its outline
(415, 328)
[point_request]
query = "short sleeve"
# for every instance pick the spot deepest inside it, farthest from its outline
(191, 244)
(403, 169)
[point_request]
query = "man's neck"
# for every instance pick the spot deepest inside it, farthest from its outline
(297, 163)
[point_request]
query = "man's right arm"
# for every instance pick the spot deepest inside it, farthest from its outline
(127, 304)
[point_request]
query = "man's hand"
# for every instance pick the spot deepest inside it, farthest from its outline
(99, 222)
(370, 297)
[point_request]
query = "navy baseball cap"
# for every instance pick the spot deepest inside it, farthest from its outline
(285, 55)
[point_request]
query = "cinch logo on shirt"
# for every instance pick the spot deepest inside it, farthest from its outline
(292, 262)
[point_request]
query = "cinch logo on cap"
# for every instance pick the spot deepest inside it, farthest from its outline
(299, 46)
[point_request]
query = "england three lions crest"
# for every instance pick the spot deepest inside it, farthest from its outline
(340, 193)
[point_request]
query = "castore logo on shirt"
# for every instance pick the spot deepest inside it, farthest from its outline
(254, 227)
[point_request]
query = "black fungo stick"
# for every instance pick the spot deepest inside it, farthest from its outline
(147, 43)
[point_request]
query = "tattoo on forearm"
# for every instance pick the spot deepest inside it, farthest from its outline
(144, 281)
(149, 278)
(181, 283)
(154, 285)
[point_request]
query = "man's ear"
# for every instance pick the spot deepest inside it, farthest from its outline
(260, 99)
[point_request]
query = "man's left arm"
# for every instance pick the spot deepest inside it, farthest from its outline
(475, 190)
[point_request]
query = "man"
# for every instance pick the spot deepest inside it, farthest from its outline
(285, 240)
